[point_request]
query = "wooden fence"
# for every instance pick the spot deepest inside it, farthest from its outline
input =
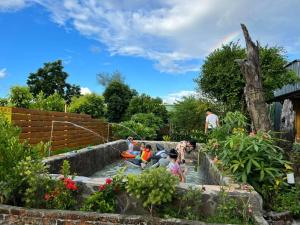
(36, 126)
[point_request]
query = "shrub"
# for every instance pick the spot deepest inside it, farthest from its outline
(253, 159)
(134, 129)
(53, 102)
(154, 187)
(104, 201)
(12, 151)
(63, 192)
(228, 211)
(20, 96)
(288, 200)
(90, 104)
(184, 205)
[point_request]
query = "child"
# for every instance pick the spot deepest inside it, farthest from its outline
(130, 144)
(174, 166)
(146, 155)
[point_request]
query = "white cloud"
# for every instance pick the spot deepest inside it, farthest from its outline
(7, 5)
(173, 97)
(85, 90)
(3, 72)
(176, 34)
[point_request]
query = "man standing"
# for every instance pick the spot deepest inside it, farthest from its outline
(211, 122)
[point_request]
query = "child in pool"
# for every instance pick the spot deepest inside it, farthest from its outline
(174, 166)
(146, 155)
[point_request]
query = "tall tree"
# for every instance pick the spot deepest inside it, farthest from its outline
(106, 78)
(52, 79)
(254, 92)
(117, 96)
(222, 79)
(146, 104)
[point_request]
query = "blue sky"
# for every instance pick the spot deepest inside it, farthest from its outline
(157, 45)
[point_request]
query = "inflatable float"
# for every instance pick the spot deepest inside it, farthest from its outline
(127, 155)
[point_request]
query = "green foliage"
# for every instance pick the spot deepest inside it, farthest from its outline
(221, 77)
(117, 96)
(146, 104)
(101, 201)
(148, 120)
(253, 159)
(228, 211)
(185, 205)
(288, 200)
(106, 78)
(232, 123)
(12, 150)
(63, 192)
(53, 102)
(154, 187)
(20, 97)
(3, 102)
(90, 104)
(104, 201)
(167, 138)
(52, 79)
(188, 118)
(134, 129)
(31, 181)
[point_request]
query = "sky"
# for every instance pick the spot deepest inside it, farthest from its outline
(158, 45)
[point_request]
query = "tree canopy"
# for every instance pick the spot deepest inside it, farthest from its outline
(90, 104)
(117, 96)
(20, 96)
(145, 104)
(51, 79)
(106, 78)
(221, 77)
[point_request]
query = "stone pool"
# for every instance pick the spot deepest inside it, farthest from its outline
(92, 165)
(195, 174)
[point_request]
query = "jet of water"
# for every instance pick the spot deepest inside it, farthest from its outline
(76, 125)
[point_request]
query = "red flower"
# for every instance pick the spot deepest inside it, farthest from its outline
(101, 187)
(69, 184)
(108, 181)
(47, 197)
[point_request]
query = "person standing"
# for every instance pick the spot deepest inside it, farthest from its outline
(211, 122)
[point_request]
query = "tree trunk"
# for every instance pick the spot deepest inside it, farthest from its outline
(254, 94)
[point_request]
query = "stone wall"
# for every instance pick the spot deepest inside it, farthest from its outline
(22, 216)
(87, 161)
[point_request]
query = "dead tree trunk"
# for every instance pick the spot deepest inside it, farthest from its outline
(254, 94)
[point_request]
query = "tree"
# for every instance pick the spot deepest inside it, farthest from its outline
(53, 102)
(90, 104)
(148, 120)
(106, 78)
(221, 77)
(117, 96)
(20, 96)
(188, 117)
(71, 91)
(3, 101)
(146, 104)
(254, 93)
(52, 79)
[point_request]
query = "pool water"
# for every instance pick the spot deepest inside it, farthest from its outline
(194, 175)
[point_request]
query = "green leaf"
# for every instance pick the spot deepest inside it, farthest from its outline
(248, 168)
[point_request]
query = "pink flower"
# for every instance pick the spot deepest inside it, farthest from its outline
(47, 197)
(108, 181)
(101, 187)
